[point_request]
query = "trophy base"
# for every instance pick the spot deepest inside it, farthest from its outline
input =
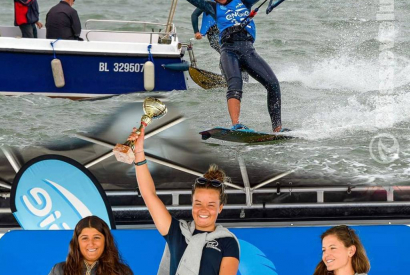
(123, 153)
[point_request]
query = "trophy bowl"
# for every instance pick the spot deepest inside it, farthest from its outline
(153, 109)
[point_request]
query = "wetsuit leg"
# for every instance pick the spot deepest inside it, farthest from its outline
(262, 72)
(232, 71)
(213, 38)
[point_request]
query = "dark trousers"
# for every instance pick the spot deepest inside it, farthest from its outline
(27, 30)
(242, 54)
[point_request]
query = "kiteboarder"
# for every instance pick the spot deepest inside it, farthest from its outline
(210, 29)
(237, 52)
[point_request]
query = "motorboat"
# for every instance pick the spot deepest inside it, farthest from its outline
(110, 61)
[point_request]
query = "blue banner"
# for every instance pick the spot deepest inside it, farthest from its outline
(55, 192)
(264, 251)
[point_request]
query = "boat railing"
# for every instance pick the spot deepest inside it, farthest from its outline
(164, 37)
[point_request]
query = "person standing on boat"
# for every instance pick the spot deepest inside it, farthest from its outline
(237, 52)
(62, 22)
(26, 16)
(198, 247)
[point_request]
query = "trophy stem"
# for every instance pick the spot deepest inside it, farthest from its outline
(130, 143)
(138, 131)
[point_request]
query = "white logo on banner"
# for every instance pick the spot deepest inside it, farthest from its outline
(46, 210)
(384, 148)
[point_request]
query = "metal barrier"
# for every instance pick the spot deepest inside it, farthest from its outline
(320, 203)
(165, 37)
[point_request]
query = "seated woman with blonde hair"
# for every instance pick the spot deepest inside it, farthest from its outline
(342, 253)
(92, 251)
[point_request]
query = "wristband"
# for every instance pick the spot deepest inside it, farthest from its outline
(141, 162)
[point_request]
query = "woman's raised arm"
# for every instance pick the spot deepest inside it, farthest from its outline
(156, 207)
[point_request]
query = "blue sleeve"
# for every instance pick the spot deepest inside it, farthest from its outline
(174, 230)
(231, 248)
(205, 6)
(194, 19)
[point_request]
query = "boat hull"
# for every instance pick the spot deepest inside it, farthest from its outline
(85, 75)
(106, 63)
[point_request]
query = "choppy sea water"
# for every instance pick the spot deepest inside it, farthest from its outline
(328, 58)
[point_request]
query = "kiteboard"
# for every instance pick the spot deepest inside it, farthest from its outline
(205, 79)
(243, 135)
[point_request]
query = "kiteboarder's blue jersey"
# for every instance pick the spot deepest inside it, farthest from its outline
(209, 7)
(233, 14)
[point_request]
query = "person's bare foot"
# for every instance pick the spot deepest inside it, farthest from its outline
(277, 129)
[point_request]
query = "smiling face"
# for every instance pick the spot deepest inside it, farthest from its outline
(205, 208)
(92, 244)
(336, 256)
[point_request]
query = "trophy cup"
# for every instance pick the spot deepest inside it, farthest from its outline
(153, 108)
